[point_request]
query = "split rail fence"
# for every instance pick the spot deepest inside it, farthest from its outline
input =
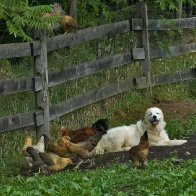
(42, 80)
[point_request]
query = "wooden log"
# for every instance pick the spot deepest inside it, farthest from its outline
(41, 96)
(16, 121)
(165, 24)
(89, 68)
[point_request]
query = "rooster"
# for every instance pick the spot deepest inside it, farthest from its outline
(138, 154)
(83, 134)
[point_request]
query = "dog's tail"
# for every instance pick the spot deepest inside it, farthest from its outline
(177, 142)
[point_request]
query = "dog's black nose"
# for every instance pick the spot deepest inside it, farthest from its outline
(154, 117)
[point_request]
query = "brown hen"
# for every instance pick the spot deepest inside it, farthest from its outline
(69, 24)
(55, 162)
(83, 134)
(138, 154)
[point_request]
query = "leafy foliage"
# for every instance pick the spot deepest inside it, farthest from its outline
(19, 16)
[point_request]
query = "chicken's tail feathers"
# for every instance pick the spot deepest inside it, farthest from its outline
(101, 125)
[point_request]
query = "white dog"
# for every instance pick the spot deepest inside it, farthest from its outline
(124, 137)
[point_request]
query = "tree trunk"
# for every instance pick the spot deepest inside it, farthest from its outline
(73, 8)
(179, 14)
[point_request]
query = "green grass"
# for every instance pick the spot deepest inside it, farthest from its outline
(159, 178)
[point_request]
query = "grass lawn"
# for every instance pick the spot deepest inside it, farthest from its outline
(159, 178)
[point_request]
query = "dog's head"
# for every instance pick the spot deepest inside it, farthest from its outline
(154, 116)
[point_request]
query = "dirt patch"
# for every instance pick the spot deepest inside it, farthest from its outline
(185, 152)
(177, 110)
(180, 110)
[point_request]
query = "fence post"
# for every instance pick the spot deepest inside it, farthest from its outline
(42, 96)
(143, 42)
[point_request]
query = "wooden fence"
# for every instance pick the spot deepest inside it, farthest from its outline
(42, 80)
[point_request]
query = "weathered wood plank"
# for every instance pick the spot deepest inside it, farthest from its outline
(165, 24)
(20, 85)
(116, 88)
(172, 51)
(19, 49)
(42, 96)
(89, 68)
(16, 121)
(138, 53)
(69, 39)
(27, 119)
(90, 97)
(143, 42)
(15, 50)
(62, 41)
(174, 77)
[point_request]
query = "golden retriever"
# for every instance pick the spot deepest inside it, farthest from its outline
(124, 137)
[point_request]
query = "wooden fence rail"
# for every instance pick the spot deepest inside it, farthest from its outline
(36, 117)
(78, 71)
(42, 80)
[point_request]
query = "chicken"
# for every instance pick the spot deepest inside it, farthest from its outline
(54, 162)
(69, 24)
(87, 145)
(39, 147)
(83, 134)
(54, 147)
(138, 154)
(27, 143)
(73, 148)
(34, 154)
(47, 161)
(82, 149)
